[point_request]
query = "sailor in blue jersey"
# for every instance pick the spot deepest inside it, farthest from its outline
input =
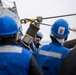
(19, 38)
(35, 44)
(14, 59)
(50, 56)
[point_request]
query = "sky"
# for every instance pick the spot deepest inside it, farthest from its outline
(46, 8)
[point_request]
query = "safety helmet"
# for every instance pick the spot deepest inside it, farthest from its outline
(39, 34)
(8, 26)
(60, 28)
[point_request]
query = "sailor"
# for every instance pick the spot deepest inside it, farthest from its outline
(36, 41)
(50, 56)
(19, 38)
(14, 59)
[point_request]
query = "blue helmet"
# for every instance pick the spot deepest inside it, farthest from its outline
(39, 34)
(60, 28)
(8, 26)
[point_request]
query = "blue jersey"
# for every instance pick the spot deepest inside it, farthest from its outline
(14, 60)
(34, 46)
(49, 57)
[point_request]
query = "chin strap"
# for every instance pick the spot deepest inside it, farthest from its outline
(61, 41)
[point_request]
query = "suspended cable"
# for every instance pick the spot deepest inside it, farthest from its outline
(59, 16)
(72, 29)
(45, 24)
(32, 20)
(25, 20)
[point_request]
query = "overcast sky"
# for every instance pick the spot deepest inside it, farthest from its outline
(47, 8)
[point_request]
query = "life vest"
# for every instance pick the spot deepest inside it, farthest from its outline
(49, 57)
(14, 60)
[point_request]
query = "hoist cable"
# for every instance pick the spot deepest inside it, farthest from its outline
(29, 20)
(74, 30)
(45, 24)
(59, 16)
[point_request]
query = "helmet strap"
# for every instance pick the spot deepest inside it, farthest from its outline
(61, 41)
